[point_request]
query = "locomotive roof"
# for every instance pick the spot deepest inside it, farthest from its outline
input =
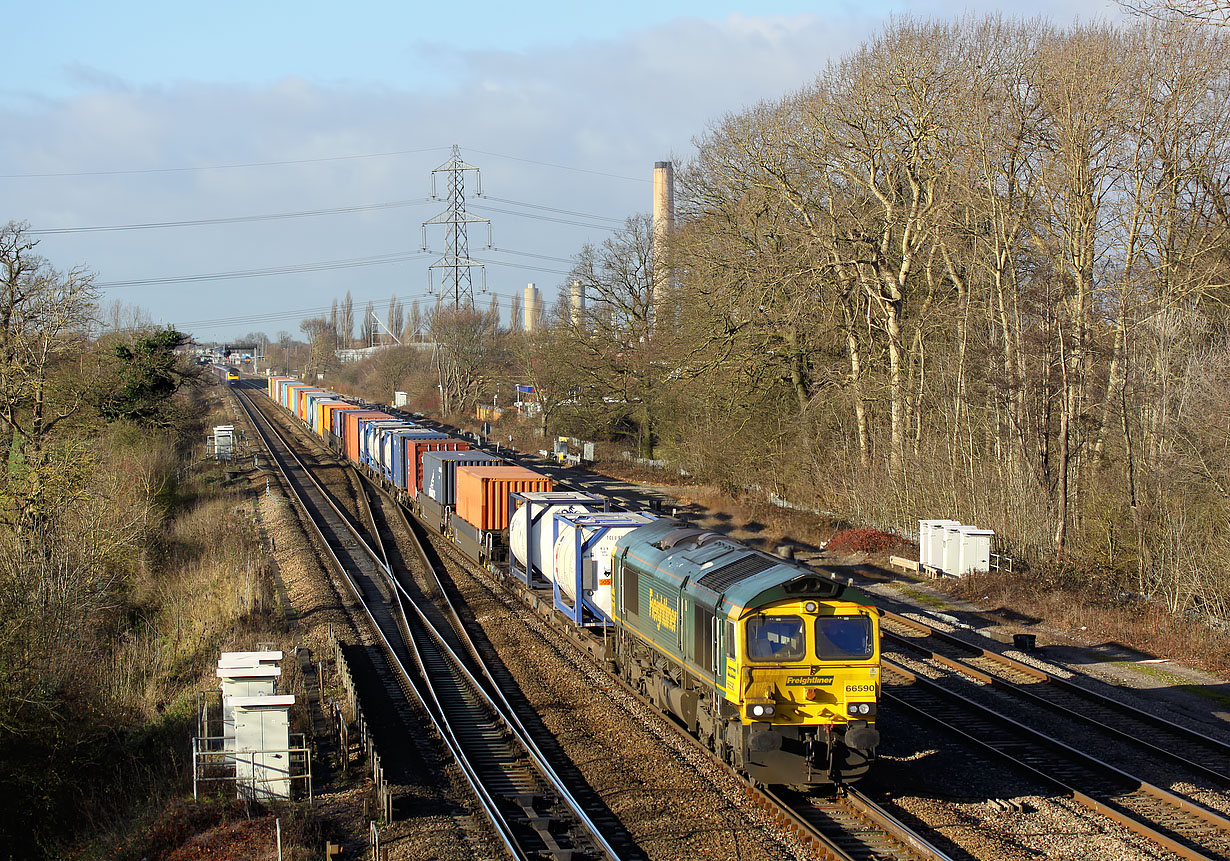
(724, 572)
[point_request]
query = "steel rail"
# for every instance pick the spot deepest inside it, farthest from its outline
(880, 835)
(901, 842)
(489, 806)
(491, 690)
(849, 826)
(1191, 826)
(1061, 694)
(440, 719)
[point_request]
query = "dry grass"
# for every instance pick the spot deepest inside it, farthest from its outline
(211, 588)
(204, 585)
(1087, 613)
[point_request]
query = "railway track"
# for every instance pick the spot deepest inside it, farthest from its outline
(1152, 735)
(1168, 820)
(529, 807)
(847, 826)
(428, 584)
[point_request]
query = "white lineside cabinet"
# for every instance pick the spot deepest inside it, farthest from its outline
(250, 659)
(931, 541)
(950, 557)
(974, 555)
(924, 541)
(224, 440)
(242, 682)
(262, 746)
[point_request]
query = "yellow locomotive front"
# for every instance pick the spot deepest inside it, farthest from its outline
(773, 665)
(805, 676)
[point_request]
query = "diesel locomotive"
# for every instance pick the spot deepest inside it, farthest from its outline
(775, 667)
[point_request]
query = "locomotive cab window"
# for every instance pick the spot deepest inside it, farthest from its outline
(775, 638)
(844, 637)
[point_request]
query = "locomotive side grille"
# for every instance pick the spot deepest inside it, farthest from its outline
(720, 579)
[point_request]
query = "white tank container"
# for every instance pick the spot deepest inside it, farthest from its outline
(532, 525)
(592, 567)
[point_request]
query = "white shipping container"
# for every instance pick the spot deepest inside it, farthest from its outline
(531, 531)
(583, 550)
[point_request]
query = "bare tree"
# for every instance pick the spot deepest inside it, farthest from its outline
(514, 320)
(322, 354)
(464, 346)
(1214, 12)
(345, 320)
(44, 318)
(285, 342)
(367, 326)
(397, 315)
(413, 329)
(618, 354)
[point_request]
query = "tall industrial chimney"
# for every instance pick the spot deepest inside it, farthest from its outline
(533, 307)
(663, 221)
(577, 298)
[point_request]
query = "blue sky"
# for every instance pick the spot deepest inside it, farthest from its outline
(126, 113)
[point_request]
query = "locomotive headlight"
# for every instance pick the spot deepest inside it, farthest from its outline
(811, 606)
(761, 711)
(860, 709)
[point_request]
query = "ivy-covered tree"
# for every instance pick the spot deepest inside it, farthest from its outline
(147, 374)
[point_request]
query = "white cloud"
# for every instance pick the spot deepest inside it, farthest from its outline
(612, 106)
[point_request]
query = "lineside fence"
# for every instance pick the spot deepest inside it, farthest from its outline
(363, 733)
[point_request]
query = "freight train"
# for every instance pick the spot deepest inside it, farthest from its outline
(773, 665)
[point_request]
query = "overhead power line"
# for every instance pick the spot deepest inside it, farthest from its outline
(531, 254)
(482, 208)
(310, 213)
(376, 260)
(553, 209)
(561, 166)
(273, 270)
(237, 219)
(322, 159)
(131, 171)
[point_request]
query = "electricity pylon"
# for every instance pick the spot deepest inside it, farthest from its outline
(456, 262)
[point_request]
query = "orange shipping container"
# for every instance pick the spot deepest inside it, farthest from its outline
(350, 430)
(320, 414)
(301, 400)
(482, 492)
(329, 424)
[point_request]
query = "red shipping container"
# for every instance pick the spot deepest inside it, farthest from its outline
(414, 458)
(483, 491)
